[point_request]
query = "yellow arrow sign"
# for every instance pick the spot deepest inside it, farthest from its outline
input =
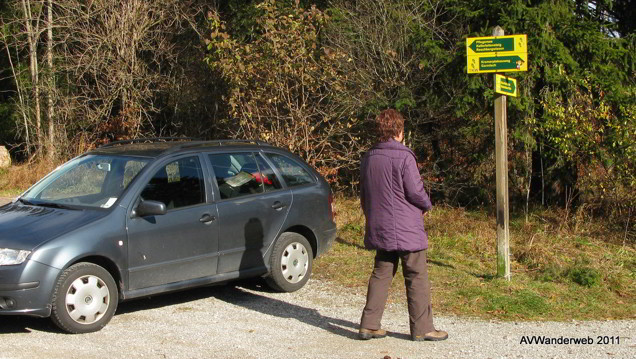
(499, 45)
(505, 85)
(485, 63)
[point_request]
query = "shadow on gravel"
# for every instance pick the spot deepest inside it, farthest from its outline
(26, 324)
(20, 324)
(238, 296)
(167, 299)
(280, 309)
(235, 293)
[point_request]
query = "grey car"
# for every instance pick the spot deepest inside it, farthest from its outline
(143, 217)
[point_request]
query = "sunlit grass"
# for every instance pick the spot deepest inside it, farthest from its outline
(16, 179)
(560, 271)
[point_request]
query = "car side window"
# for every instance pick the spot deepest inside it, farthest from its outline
(131, 170)
(237, 174)
(177, 184)
(293, 173)
(268, 177)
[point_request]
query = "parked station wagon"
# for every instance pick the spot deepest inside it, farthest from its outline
(137, 218)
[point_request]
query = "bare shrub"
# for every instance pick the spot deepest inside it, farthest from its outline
(108, 65)
(283, 86)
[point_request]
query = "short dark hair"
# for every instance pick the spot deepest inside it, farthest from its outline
(388, 123)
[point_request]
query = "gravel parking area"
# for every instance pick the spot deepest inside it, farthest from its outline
(246, 320)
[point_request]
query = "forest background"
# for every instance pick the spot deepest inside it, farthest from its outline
(311, 75)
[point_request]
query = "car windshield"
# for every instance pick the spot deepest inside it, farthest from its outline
(87, 181)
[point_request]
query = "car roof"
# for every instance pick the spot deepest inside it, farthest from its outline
(155, 147)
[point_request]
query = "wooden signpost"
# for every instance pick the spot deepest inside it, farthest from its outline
(494, 54)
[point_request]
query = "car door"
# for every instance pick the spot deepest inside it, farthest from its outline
(181, 244)
(252, 205)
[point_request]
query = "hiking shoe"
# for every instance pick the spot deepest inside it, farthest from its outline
(435, 335)
(366, 334)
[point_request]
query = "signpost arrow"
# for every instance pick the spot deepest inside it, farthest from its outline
(493, 45)
(502, 62)
(505, 85)
(510, 63)
(508, 84)
(496, 45)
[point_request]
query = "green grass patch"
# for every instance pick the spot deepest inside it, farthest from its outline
(558, 273)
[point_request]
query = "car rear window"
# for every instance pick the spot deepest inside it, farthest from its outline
(269, 178)
(293, 173)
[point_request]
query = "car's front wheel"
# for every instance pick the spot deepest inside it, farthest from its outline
(290, 263)
(85, 299)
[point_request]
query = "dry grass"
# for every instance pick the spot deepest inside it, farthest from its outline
(18, 178)
(560, 270)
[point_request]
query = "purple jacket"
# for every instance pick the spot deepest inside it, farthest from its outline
(393, 199)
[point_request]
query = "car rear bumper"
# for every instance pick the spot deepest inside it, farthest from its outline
(328, 237)
(26, 289)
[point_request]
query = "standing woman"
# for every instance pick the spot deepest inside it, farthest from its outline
(394, 200)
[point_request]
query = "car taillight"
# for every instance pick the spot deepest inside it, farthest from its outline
(332, 213)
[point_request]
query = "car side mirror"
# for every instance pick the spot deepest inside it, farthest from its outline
(150, 208)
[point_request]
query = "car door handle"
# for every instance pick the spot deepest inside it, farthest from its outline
(206, 218)
(278, 205)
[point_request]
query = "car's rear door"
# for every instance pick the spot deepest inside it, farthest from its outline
(252, 206)
(183, 243)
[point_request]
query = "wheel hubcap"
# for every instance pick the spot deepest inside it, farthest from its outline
(294, 262)
(87, 299)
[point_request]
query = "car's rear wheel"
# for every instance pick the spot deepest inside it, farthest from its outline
(290, 263)
(85, 299)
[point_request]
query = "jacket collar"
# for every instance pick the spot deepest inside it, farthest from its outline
(392, 145)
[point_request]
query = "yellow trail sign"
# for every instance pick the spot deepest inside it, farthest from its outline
(496, 45)
(497, 54)
(505, 85)
(485, 63)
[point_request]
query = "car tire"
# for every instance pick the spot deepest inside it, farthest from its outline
(85, 299)
(290, 263)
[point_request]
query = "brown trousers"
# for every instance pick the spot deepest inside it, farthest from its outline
(418, 290)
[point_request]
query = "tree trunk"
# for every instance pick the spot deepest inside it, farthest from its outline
(18, 87)
(51, 82)
(32, 36)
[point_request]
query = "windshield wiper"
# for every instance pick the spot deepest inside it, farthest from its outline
(54, 205)
(24, 201)
(46, 204)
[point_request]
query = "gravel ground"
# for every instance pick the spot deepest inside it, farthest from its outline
(246, 320)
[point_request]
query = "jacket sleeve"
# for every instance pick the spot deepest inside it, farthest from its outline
(413, 186)
(362, 177)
